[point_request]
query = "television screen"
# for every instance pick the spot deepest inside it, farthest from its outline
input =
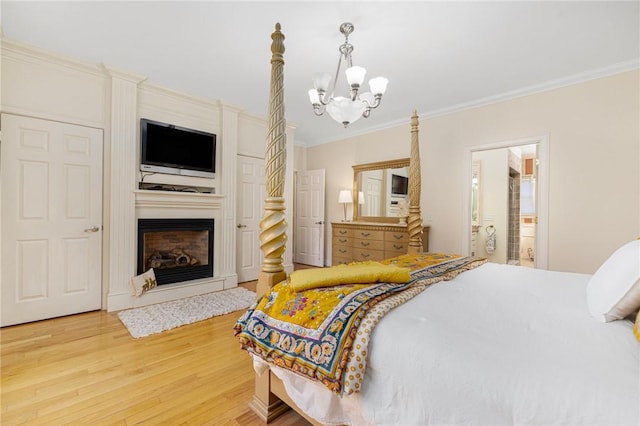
(399, 185)
(176, 150)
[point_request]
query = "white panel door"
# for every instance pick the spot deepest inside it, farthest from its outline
(372, 197)
(51, 219)
(251, 193)
(309, 219)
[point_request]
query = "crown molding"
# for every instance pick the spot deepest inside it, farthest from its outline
(35, 54)
(114, 72)
(610, 70)
(539, 88)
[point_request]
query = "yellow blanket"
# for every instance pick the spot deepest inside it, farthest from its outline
(322, 333)
(368, 272)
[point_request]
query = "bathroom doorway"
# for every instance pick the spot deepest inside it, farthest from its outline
(507, 215)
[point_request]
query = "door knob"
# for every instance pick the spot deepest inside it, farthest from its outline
(241, 226)
(94, 229)
(320, 222)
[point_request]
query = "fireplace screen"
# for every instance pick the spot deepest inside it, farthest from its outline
(177, 249)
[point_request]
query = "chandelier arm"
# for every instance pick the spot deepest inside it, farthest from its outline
(318, 109)
(375, 104)
(354, 92)
(347, 50)
(322, 96)
(347, 55)
(335, 81)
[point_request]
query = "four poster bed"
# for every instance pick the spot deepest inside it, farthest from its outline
(456, 340)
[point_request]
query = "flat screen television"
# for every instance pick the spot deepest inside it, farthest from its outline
(399, 185)
(166, 148)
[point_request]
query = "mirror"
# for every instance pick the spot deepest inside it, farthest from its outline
(379, 190)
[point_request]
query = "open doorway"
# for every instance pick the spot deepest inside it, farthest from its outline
(506, 220)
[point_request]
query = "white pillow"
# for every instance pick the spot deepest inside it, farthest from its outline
(613, 291)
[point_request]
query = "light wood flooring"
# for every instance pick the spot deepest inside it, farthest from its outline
(86, 369)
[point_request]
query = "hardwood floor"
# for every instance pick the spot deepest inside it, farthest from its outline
(86, 369)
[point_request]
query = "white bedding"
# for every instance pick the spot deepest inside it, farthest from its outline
(498, 345)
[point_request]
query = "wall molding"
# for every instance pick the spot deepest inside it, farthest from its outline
(583, 77)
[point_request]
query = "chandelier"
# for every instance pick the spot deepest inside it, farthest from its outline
(347, 109)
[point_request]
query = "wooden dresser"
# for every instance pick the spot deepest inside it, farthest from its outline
(357, 241)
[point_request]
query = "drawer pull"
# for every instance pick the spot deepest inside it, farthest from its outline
(364, 244)
(342, 232)
(365, 234)
(342, 240)
(342, 250)
(365, 254)
(397, 236)
(397, 247)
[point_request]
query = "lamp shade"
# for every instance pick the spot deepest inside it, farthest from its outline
(355, 75)
(321, 81)
(345, 196)
(314, 97)
(378, 85)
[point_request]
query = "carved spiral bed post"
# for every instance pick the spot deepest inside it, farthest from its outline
(273, 226)
(414, 224)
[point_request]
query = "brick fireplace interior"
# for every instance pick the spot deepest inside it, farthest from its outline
(177, 249)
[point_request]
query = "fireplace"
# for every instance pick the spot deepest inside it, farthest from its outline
(177, 249)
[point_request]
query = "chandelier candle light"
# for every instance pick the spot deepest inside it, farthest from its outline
(346, 110)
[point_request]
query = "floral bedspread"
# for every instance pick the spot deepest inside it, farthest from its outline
(313, 332)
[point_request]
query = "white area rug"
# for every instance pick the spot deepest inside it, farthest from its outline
(152, 319)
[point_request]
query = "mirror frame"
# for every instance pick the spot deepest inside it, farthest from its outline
(390, 164)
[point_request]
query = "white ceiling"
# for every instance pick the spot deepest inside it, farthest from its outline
(438, 56)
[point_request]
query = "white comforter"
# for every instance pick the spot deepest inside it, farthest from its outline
(498, 345)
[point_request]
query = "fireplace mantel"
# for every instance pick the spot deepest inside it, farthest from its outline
(177, 199)
(152, 204)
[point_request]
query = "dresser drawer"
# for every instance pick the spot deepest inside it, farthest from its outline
(368, 234)
(366, 254)
(397, 237)
(359, 243)
(395, 248)
(342, 251)
(342, 232)
(343, 241)
(341, 260)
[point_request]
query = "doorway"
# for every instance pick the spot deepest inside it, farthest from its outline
(51, 219)
(250, 201)
(506, 210)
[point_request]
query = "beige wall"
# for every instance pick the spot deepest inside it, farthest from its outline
(299, 158)
(338, 157)
(594, 163)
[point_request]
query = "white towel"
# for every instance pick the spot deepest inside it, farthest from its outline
(490, 243)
